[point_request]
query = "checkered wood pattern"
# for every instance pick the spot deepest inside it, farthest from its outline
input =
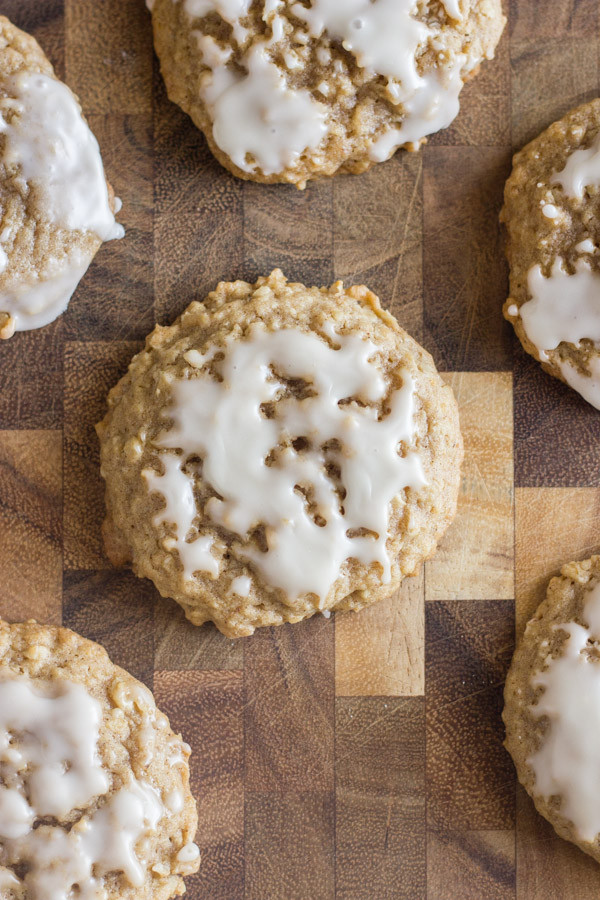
(358, 757)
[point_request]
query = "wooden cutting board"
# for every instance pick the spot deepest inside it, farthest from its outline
(358, 757)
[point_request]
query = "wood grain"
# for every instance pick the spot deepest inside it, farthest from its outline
(377, 235)
(30, 525)
(205, 706)
(290, 846)
(470, 778)
(554, 526)
(475, 558)
(380, 797)
(358, 757)
(116, 298)
(114, 608)
(550, 76)
(294, 235)
(90, 371)
(471, 865)
(288, 716)
(464, 275)
(556, 435)
(109, 55)
(380, 651)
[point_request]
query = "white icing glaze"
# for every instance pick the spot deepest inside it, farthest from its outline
(382, 35)
(563, 307)
(240, 586)
(180, 510)
(582, 169)
(258, 116)
(513, 310)
(259, 121)
(50, 767)
(229, 10)
(586, 385)
(52, 731)
(304, 555)
(432, 106)
(58, 155)
(38, 304)
(566, 763)
(101, 843)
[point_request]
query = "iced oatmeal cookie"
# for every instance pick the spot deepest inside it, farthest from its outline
(280, 450)
(56, 207)
(94, 786)
(288, 90)
(552, 705)
(552, 216)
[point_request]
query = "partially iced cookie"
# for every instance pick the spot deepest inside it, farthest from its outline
(279, 451)
(55, 204)
(552, 705)
(552, 215)
(288, 90)
(94, 785)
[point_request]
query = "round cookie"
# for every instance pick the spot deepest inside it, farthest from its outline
(280, 450)
(56, 206)
(552, 706)
(94, 799)
(552, 216)
(288, 91)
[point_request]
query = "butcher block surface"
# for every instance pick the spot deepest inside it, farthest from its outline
(358, 757)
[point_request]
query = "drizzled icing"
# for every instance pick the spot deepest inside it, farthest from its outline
(582, 169)
(258, 116)
(37, 304)
(177, 490)
(229, 10)
(104, 842)
(54, 731)
(383, 36)
(586, 385)
(563, 307)
(49, 767)
(566, 763)
(260, 121)
(433, 105)
(276, 477)
(56, 157)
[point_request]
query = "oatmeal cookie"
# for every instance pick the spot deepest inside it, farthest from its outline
(552, 217)
(94, 792)
(552, 706)
(56, 207)
(288, 91)
(278, 451)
